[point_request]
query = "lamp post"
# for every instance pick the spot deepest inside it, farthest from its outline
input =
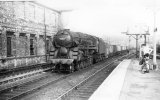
(154, 43)
(154, 35)
(129, 47)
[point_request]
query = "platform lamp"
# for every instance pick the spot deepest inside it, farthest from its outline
(154, 10)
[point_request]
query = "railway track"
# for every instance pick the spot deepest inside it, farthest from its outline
(32, 86)
(85, 88)
(29, 87)
(21, 73)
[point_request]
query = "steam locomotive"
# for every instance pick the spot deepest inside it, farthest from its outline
(73, 51)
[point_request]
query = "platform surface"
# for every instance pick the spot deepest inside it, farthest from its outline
(126, 82)
(138, 86)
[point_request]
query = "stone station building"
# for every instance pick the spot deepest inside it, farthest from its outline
(26, 33)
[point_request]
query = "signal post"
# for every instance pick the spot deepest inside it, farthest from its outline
(136, 37)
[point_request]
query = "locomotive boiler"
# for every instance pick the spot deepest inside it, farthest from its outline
(75, 50)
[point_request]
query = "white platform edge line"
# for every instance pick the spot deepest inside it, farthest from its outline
(110, 89)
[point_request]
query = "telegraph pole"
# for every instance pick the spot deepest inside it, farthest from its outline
(145, 36)
(154, 43)
(145, 41)
(129, 47)
(135, 36)
(154, 35)
(45, 34)
(136, 44)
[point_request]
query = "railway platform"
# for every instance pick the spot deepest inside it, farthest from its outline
(126, 82)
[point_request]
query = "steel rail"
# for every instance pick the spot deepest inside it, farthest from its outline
(64, 95)
(25, 92)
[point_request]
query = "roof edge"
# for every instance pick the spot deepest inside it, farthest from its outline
(45, 6)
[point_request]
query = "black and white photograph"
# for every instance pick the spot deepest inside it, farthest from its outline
(79, 50)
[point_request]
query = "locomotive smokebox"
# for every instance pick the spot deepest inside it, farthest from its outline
(63, 39)
(63, 51)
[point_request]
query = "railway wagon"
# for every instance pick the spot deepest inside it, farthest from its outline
(107, 50)
(101, 51)
(75, 50)
(113, 50)
(116, 49)
(119, 49)
(123, 49)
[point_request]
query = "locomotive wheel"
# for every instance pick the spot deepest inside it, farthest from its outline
(57, 68)
(84, 64)
(94, 61)
(77, 67)
(71, 70)
(81, 65)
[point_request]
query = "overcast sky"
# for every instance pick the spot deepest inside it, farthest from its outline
(107, 18)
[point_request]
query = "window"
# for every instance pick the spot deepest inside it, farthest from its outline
(10, 44)
(31, 47)
(22, 45)
(9, 47)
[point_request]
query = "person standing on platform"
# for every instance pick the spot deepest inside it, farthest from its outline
(144, 57)
(145, 49)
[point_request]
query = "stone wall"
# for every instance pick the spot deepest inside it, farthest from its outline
(25, 20)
